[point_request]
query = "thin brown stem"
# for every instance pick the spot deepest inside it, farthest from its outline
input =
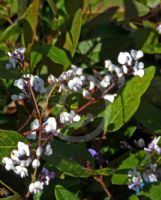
(47, 100)
(91, 101)
(26, 122)
(33, 98)
(99, 179)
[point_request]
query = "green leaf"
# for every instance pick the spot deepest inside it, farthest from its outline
(152, 191)
(30, 21)
(133, 197)
(149, 116)
(127, 102)
(70, 158)
(8, 74)
(72, 37)
(59, 56)
(10, 31)
(35, 58)
(104, 171)
(121, 174)
(8, 141)
(152, 3)
(15, 197)
(63, 194)
(37, 196)
(52, 6)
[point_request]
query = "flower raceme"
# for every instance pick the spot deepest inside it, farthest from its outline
(74, 80)
(137, 180)
(15, 57)
(21, 160)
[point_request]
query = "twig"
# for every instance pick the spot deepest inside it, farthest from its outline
(26, 122)
(91, 101)
(99, 179)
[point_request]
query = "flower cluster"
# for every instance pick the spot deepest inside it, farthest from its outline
(19, 161)
(91, 87)
(69, 118)
(150, 174)
(15, 57)
(153, 146)
(44, 179)
(115, 78)
(72, 80)
(137, 180)
(22, 83)
(50, 127)
(75, 80)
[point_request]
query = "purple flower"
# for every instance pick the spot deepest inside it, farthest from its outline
(93, 152)
(153, 146)
(45, 176)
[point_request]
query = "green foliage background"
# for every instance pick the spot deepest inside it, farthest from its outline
(58, 33)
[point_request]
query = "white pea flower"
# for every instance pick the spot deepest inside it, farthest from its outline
(86, 93)
(9, 165)
(20, 83)
(51, 126)
(35, 163)
(20, 50)
(12, 63)
(124, 58)
(30, 77)
(77, 70)
(68, 118)
(36, 187)
(52, 80)
(75, 84)
(61, 88)
(150, 177)
(17, 55)
(136, 55)
(64, 117)
(138, 69)
(25, 163)
(119, 71)
(92, 81)
(22, 171)
(159, 28)
(34, 125)
(48, 150)
(32, 187)
(106, 81)
(109, 65)
(15, 156)
(38, 84)
(39, 151)
(23, 149)
(125, 69)
(109, 97)
(20, 96)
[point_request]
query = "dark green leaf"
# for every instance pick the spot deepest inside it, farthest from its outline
(8, 141)
(30, 21)
(149, 116)
(59, 56)
(63, 194)
(127, 102)
(70, 158)
(152, 191)
(121, 174)
(10, 31)
(72, 37)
